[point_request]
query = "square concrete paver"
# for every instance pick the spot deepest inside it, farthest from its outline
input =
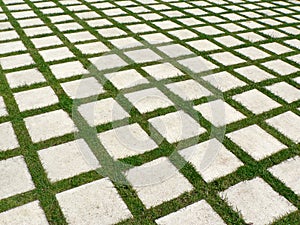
(219, 113)
(67, 160)
(24, 77)
(15, 61)
(176, 126)
(227, 58)
(199, 213)
(287, 172)
(3, 111)
(56, 54)
(197, 65)
(126, 141)
(254, 73)
(175, 50)
(253, 53)
(285, 91)
(101, 112)
(14, 177)
(288, 124)
(30, 213)
(68, 69)
(108, 62)
(257, 201)
(256, 142)
(143, 55)
(49, 125)
(252, 100)
(211, 159)
(157, 181)
(162, 71)
(280, 67)
(148, 100)
(93, 202)
(8, 139)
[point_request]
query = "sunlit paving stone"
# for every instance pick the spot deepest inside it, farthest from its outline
(68, 69)
(8, 139)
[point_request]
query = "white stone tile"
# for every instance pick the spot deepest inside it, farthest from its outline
(126, 19)
(15, 177)
(60, 18)
(8, 139)
(219, 113)
(251, 36)
(56, 54)
(162, 71)
(176, 126)
(276, 48)
(254, 73)
(68, 69)
(126, 141)
(273, 33)
(199, 213)
(285, 91)
(157, 181)
(82, 88)
(102, 111)
(148, 100)
(256, 142)
(288, 124)
(98, 23)
(46, 41)
(49, 125)
(3, 111)
(211, 159)
(8, 35)
(67, 160)
(68, 26)
(253, 99)
(92, 48)
(126, 79)
(35, 98)
(197, 64)
(15, 61)
(80, 36)
(183, 34)
(253, 53)
(224, 81)
(93, 202)
(166, 24)
(229, 41)
(213, 19)
(30, 213)
(156, 38)
(140, 28)
(203, 45)
(226, 58)
(108, 62)
(34, 31)
(287, 172)
(231, 27)
(295, 58)
(175, 50)
(257, 201)
(111, 32)
(128, 42)
(188, 89)
(208, 30)
(143, 55)
(13, 46)
(280, 67)
(294, 43)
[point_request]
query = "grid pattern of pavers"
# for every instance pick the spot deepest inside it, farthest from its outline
(149, 112)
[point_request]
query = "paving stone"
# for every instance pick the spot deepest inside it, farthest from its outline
(197, 64)
(49, 125)
(68, 26)
(219, 113)
(256, 142)
(98, 23)
(162, 71)
(126, 141)
(34, 31)
(80, 36)
(203, 45)
(68, 69)
(257, 201)
(67, 160)
(148, 100)
(13, 46)
(8, 139)
(56, 54)
(273, 33)
(251, 36)
(183, 34)
(15, 177)
(189, 90)
(3, 111)
(287, 172)
(176, 126)
(93, 202)
(140, 28)
(30, 213)
(108, 62)
(295, 58)
(175, 50)
(123, 43)
(157, 181)
(15, 61)
(252, 100)
(211, 159)
(111, 32)
(46, 41)
(143, 55)
(276, 48)
(92, 48)
(35, 98)
(287, 124)
(254, 73)
(229, 41)
(199, 213)
(285, 91)
(294, 43)
(156, 38)
(102, 111)
(253, 53)
(224, 81)
(226, 58)
(126, 79)
(165, 25)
